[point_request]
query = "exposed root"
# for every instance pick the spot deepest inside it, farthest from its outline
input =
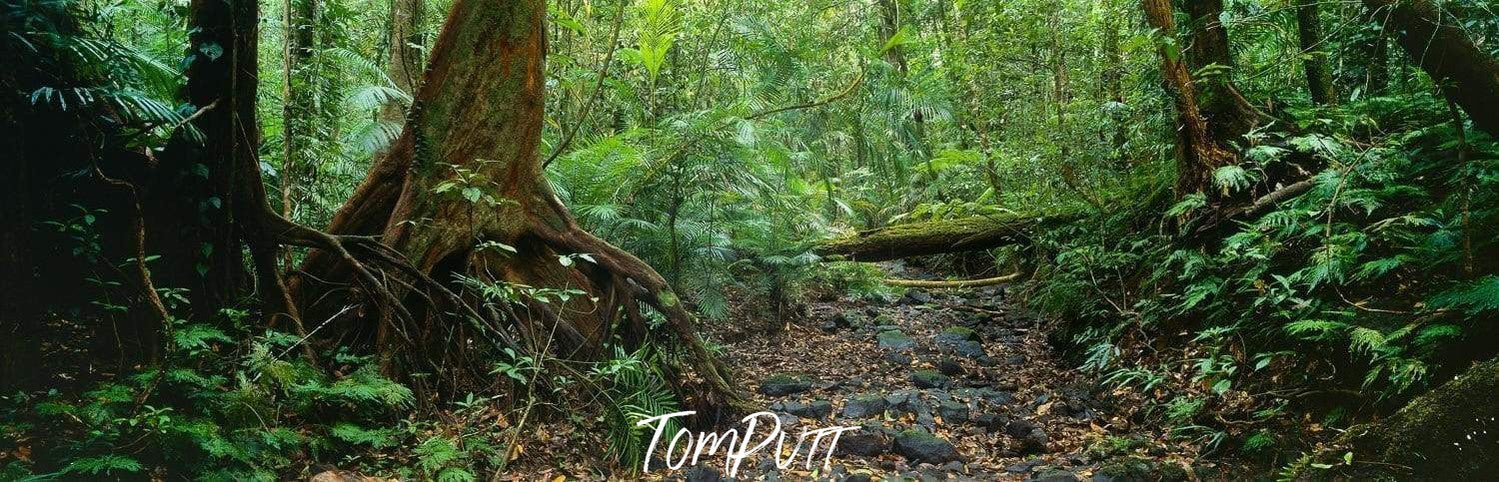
(646, 286)
(650, 288)
(966, 283)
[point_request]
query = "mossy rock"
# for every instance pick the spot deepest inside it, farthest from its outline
(1126, 469)
(958, 333)
(919, 446)
(1055, 475)
(865, 405)
(929, 379)
(895, 340)
(1448, 433)
(850, 319)
(1137, 469)
(782, 384)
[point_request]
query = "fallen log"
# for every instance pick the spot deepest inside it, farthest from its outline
(962, 283)
(937, 237)
(1258, 208)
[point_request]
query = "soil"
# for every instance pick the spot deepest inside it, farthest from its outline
(969, 389)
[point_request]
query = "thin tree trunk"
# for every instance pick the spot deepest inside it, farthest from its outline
(1377, 68)
(890, 23)
(1437, 41)
(1113, 78)
(1198, 150)
(297, 98)
(1309, 29)
(404, 64)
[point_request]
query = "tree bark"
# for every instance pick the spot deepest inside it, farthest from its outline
(1198, 149)
(297, 98)
(1438, 42)
(191, 201)
(226, 213)
(476, 124)
(1314, 63)
(1229, 115)
(404, 64)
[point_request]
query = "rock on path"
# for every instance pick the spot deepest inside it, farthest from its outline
(944, 385)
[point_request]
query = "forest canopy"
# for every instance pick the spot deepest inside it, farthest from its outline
(463, 239)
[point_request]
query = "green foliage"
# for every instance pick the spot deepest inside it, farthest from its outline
(725, 139)
(204, 414)
(1472, 298)
(657, 27)
(1370, 280)
(635, 390)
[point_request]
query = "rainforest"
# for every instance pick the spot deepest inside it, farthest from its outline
(461, 240)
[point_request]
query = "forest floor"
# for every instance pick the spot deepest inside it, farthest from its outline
(945, 385)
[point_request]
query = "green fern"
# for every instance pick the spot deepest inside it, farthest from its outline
(1472, 298)
(103, 465)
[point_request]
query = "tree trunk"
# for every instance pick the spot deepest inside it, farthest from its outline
(298, 79)
(465, 174)
(1198, 149)
(404, 64)
(1449, 433)
(225, 87)
(1112, 79)
(1229, 115)
(1377, 56)
(1309, 29)
(890, 24)
(191, 199)
(1061, 96)
(1439, 43)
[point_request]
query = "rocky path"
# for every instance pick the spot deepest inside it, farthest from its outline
(945, 385)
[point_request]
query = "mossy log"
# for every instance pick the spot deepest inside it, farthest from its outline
(1449, 433)
(937, 237)
(962, 283)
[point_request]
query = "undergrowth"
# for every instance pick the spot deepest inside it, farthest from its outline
(1375, 284)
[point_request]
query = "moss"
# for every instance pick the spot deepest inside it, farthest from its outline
(928, 379)
(1141, 469)
(782, 378)
(919, 435)
(961, 333)
(931, 237)
(1446, 433)
(895, 339)
(1113, 445)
